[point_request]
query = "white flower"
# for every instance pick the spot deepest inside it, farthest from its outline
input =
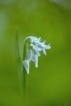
(29, 55)
(33, 51)
(35, 60)
(26, 65)
(36, 49)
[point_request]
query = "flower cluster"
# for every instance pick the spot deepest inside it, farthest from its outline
(35, 46)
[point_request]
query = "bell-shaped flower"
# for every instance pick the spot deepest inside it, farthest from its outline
(32, 54)
(36, 49)
(26, 65)
(35, 60)
(29, 55)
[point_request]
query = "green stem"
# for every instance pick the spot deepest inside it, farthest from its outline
(19, 63)
(25, 86)
(25, 78)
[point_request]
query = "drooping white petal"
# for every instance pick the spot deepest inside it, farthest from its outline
(42, 45)
(29, 55)
(35, 60)
(44, 51)
(36, 49)
(48, 46)
(26, 65)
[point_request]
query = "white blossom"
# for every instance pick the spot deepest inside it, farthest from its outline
(26, 65)
(35, 46)
(35, 60)
(29, 55)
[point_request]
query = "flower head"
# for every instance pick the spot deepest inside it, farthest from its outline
(35, 46)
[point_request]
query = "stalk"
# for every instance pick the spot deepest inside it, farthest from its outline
(25, 86)
(19, 65)
(23, 76)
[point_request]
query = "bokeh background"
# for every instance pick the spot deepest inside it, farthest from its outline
(50, 84)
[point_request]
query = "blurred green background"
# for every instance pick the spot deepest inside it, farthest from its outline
(50, 84)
